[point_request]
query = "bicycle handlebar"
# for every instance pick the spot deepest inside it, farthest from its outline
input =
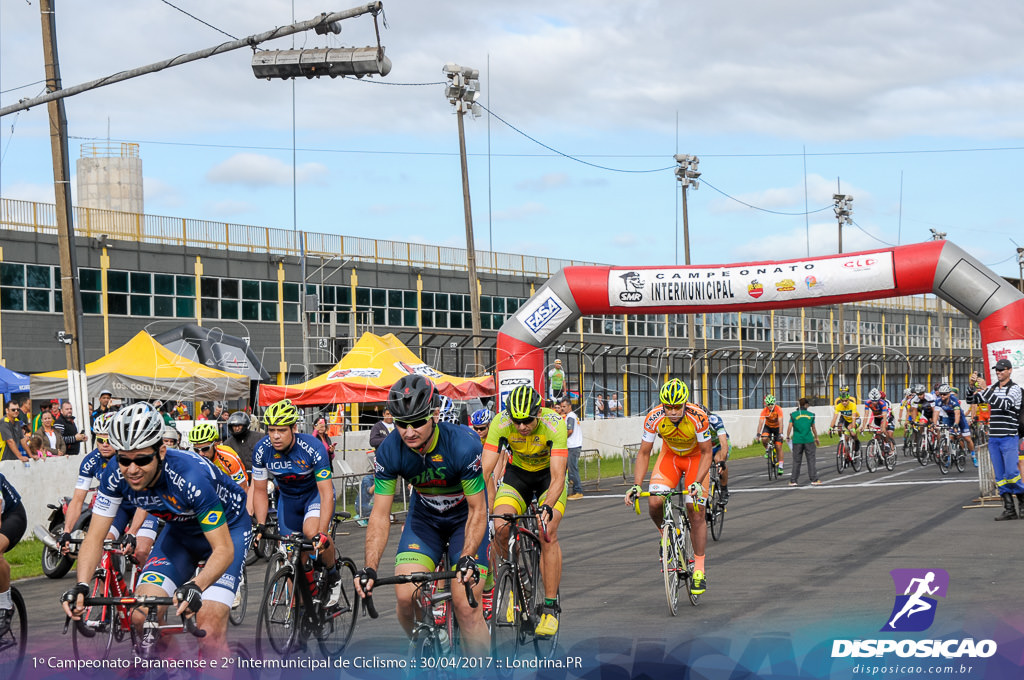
(148, 601)
(419, 577)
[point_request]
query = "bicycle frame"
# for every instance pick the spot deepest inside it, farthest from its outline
(676, 547)
(152, 629)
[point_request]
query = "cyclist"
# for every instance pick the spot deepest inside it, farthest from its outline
(904, 412)
(171, 437)
(878, 412)
(206, 520)
(719, 449)
(204, 438)
(12, 527)
(922, 405)
(240, 438)
(448, 509)
(845, 412)
(686, 453)
(769, 427)
(135, 523)
(448, 411)
(302, 476)
(947, 409)
(537, 440)
(480, 421)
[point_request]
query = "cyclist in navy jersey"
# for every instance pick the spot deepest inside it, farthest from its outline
(12, 527)
(878, 412)
(206, 520)
(719, 450)
(947, 409)
(302, 475)
(448, 510)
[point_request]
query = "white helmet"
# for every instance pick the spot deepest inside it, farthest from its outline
(101, 426)
(136, 427)
(874, 395)
(449, 412)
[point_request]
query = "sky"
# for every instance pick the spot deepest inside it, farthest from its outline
(913, 108)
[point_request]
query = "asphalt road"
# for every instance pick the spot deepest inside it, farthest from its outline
(795, 569)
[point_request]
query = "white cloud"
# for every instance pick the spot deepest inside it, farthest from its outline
(520, 212)
(790, 199)
(25, 191)
(229, 208)
(158, 193)
(546, 182)
(258, 171)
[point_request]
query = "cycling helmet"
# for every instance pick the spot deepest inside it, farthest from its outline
(907, 392)
(449, 412)
(523, 403)
(481, 417)
(769, 400)
(412, 398)
(674, 393)
(239, 418)
(203, 433)
(280, 414)
(919, 389)
(101, 426)
(843, 389)
(136, 427)
(874, 395)
(171, 433)
(944, 389)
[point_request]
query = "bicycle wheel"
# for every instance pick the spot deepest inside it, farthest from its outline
(340, 620)
(237, 613)
(889, 457)
(908, 443)
(773, 462)
(506, 635)
(275, 563)
(543, 647)
(870, 454)
(858, 459)
(13, 642)
(840, 456)
(716, 514)
(921, 449)
(670, 567)
(280, 617)
(944, 457)
(687, 558)
(960, 456)
(92, 637)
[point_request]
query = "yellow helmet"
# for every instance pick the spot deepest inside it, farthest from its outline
(523, 403)
(281, 414)
(203, 433)
(674, 393)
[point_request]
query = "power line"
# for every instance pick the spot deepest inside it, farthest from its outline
(864, 231)
(750, 205)
(22, 87)
(193, 16)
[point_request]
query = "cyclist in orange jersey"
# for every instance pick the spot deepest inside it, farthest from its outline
(203, 438)
(686, 454)
(769, 424)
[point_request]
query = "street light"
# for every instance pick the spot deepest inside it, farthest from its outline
(687, 174)
(938, 235)
(1020, 269)
(843, 209)
(313, 63)
(462, 91)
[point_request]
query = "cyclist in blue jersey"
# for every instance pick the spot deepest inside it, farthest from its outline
(448, 510)
(947, 409)
(206, 520)
(135, 523)
(719, 450)
(302, 475)
(12, 527)
(878, 412)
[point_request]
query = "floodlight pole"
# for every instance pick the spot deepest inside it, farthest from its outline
(688, 176)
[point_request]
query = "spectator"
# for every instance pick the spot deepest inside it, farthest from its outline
(11, 435)
(242, 437)
(52, 443)
(25, 417)
(378, 433)
(599, 407)
(65, 424)
(165, 408)
(614, 406)
(205, 412)
(222, 423)
(575, 445)
(320, 432)
(804, 441)
(104, 407)
(556, 382)
(55, 409)
(1004, 398)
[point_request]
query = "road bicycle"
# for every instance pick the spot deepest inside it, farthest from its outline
(294, 606)
(845, 452)
(677, 556)
(951, 450)
(519, 590)
(102, 625)
(878, 451)
(772, 455)
(714, 510)
(979, 432)
(13, 643)
(281, 553)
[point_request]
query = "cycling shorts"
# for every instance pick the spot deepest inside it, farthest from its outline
(774, 432)
(123, 520)
(519, 487)
(877, 420)
(176, 554)
(426, 533)
(13, 524)
(983, 416)
(669, 469)
(293, 511)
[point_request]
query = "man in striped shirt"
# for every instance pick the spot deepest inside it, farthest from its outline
(1004, 397)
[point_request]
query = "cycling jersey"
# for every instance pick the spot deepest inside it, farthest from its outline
(924, 406)
(9, 497)
(92, 465)
(846, 408)
(877, 408)
(772, 416)
(680, 439)
(225, 458)
(947, 409)
(530, 453)
(717, 428)
(295, 471)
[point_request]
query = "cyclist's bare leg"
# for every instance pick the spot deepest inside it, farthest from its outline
(165, 643)
(476, 637)
(501, 529)
(656, 509)
(310, 528)
(778, 449)
(5, 568)
(405, 593)
(213, 618)
(969, 441)
(698, 529)
(551, 557)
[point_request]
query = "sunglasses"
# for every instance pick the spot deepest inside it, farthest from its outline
(140, 461)
(481, 428)
(405, 424)
(204, 449)
(523, 421)
(102, 440)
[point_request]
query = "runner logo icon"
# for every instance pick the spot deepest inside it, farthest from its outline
(915, 605)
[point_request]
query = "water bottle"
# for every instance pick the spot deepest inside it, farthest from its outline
(310, 578)
(446, 642)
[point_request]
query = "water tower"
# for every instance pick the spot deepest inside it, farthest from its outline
(110, 177)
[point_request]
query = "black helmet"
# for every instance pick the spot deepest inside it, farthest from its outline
(239, 418)
(412, 398)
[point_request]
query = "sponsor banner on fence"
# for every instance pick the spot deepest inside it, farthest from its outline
(742, 284)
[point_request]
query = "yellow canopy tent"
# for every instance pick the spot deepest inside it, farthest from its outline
(142, 368)
(367, 372)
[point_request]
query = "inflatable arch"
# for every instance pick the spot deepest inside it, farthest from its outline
(938, 267)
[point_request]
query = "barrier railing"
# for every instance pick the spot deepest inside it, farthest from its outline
(629, 452)
(588, 457)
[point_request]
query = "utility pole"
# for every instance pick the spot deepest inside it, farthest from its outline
(843, 209)
(687, 174)
(1020, 269)
(462, 92)
(70, 292)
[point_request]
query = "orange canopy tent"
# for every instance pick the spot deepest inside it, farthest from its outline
(366, 374)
